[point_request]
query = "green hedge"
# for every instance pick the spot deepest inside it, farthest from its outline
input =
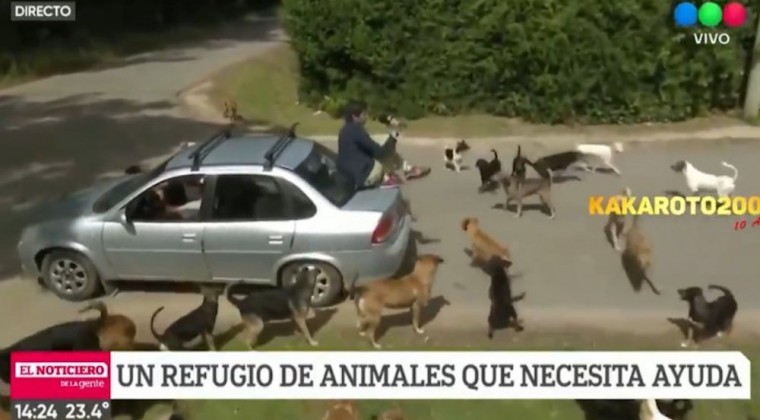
(553, 61)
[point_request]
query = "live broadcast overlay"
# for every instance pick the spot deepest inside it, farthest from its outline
(80, 385)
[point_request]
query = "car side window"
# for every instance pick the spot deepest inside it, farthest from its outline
(303, 207)
(248, 198)
(174, 200)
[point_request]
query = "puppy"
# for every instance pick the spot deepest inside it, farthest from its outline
(292, 302)
(517, 190)
(696, 180)
(484, 247)
(342, 410)
(602, 152)
(638, 253)
(410, 291)
(394, 413)
(715, 317)
(615, 226)
(503, 313)
(488, 169)
(452, 156)
(114, 331)
(198, 322)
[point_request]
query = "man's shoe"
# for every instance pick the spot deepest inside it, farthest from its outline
(391, 180)
(415, 172)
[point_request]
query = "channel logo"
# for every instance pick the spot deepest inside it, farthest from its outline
(710, 15)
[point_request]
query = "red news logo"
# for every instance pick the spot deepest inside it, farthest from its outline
(61, 370)
(60, 375)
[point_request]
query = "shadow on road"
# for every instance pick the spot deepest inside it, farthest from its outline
(404, 319)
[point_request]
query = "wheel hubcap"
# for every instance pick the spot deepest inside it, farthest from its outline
(322, 284)
(68, 276)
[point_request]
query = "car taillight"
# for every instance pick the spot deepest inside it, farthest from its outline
(384, 229)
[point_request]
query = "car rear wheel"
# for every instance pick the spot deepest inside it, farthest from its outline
(329, 281)
(70, 275)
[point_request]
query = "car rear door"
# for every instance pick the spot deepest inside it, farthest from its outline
(248, 228)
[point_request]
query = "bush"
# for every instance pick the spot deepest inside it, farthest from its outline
(551, 61)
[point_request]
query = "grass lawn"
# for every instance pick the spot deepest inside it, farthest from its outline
(266, 91)
(401, 339)
(65, 59)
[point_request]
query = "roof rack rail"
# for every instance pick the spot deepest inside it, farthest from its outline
(207, 146)
(276, 150)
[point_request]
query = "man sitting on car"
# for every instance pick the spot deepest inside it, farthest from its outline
(360, 157)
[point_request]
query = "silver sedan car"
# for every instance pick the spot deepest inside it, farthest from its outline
(256, 209)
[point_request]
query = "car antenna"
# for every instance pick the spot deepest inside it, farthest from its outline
(207, 146)
(283, 142)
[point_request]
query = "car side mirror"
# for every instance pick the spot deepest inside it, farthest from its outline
(124, 218)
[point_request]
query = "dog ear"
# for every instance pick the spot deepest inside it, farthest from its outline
(438, 259)
(465, 223)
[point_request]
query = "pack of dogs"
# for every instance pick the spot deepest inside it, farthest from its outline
(413, 291)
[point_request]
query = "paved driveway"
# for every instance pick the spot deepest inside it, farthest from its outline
(569, 272)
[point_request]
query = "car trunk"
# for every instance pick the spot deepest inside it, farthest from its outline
(388, 203)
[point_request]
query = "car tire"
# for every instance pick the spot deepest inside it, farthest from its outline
(329, 281)
(70, 275)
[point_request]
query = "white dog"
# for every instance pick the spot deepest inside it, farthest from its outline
(697, 180)
(603, 152)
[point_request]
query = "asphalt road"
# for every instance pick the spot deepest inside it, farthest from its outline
(565, 266)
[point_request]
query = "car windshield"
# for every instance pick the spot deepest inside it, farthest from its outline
(320, 170)
(123, 189)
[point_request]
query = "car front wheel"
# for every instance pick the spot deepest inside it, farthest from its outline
(70, 275)
(329, 283)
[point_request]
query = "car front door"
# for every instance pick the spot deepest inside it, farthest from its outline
(248, 228)
(161, 236)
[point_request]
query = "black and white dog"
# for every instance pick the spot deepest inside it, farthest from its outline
(452, 156)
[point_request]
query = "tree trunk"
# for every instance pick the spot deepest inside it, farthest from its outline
(752, 98)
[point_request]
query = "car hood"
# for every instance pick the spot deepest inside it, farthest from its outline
(378, 199)
(75, 204)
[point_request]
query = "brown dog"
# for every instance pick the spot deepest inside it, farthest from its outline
(637, 255)
(615, 226)
(231, 110)
(410, 291)
(115, 331)
(484, 247)
(342, 410)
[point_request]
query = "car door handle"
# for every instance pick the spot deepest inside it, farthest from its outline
(275, 237)
(188, 237)
(276, 240)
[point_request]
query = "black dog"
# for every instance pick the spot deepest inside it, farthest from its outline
(68, 336)
(558, 162)
(134, 169)
(710, 318)
(292, 302)
(198, 322)
(503, 313)
(488, 169)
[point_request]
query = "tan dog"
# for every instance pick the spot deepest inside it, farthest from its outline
(615, 226)
(410, 291)
(342, 410)
(484, 247)
(638, 253)
(115, 331)
(231, 110)
(392, 414)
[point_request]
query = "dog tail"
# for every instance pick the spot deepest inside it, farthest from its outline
(519, 297)
(97, 306)
(355, 291)
(722, 289)
(227, 293)
(733, 168)
(153, 326)
(496, 155)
